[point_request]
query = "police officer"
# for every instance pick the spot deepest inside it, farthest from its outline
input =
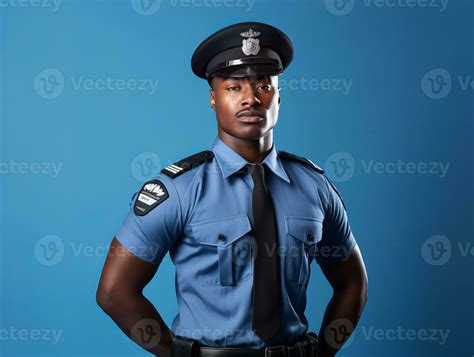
(242, 223)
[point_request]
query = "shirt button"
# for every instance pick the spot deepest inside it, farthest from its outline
(221, 237)
(310, 235)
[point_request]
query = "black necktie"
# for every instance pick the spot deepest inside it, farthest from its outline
(266, 289)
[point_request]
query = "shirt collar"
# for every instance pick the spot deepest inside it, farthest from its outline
(230, 161)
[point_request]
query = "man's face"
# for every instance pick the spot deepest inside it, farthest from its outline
(247, 107)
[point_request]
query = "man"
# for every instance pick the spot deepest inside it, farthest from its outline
(242, 223)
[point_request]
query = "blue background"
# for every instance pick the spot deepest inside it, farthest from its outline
(96, 136)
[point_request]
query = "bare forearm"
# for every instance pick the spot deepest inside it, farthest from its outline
(341, 317)
(139, 320)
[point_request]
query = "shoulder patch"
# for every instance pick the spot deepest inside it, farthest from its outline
(307, 162)
(151, 195)
(187, 163)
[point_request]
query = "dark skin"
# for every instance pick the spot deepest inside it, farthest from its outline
(246, 111)
(120, 295)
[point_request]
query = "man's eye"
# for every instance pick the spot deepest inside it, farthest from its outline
(233, 88)
(265, 87)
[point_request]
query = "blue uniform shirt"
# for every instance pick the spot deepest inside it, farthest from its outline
(206, 225)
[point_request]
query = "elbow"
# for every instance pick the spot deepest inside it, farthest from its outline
(103, 299)
(107, 300)
(112, 300)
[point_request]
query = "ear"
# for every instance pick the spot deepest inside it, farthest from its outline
(213, 98)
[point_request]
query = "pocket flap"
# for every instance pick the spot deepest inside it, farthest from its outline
(306, 229)
(221, 231)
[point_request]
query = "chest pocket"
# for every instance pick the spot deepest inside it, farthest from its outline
(302, 235)
(226, 250)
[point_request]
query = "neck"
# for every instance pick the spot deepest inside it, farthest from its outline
(254, 151)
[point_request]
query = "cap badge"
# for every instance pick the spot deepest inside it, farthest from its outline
(251, 44)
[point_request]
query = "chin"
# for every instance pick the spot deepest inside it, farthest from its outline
(251, 133)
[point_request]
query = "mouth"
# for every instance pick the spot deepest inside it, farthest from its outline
(250, 116)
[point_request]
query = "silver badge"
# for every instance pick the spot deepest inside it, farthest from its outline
(250, 45)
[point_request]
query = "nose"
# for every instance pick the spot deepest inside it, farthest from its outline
(249, 97)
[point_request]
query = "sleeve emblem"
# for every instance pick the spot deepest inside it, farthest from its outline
(150, 196)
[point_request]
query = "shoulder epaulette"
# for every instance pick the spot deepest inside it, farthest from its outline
(307, 162)
(187, 164)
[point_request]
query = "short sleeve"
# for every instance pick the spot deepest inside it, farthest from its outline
(150, 235)
(337, 239)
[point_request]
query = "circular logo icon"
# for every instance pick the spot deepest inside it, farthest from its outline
(436, 84)
(339, 7)
(244, 251)
(337, 332)
(339, 166)
(436, 250)
(145, 166)
(145, 7)
(49, 83)
(147, 333)
(49, 250)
